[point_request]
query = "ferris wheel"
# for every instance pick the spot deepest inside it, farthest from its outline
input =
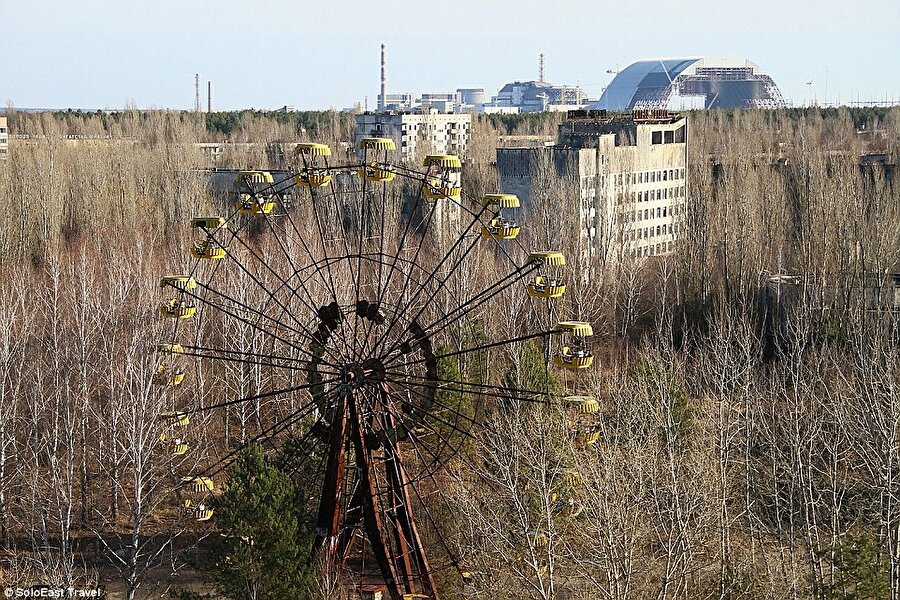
(353, 318)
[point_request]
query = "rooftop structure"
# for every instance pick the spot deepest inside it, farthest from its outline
(691, 83)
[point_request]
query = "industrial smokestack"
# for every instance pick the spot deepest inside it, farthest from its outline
(541, 68)
(197, 92)
(209, 96)
(381, 98)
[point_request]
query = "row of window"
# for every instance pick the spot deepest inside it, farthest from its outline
(663, 194)
(660, 212)
(642, 233)
(623, 179)
(653, 249)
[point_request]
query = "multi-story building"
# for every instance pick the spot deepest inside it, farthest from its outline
(4, 138)
(622, 176)
(418, 134)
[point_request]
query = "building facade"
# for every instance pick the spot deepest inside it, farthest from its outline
(4, 138)
(622, 176)
(418, 134)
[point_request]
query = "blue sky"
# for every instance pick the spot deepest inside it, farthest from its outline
(268, 53)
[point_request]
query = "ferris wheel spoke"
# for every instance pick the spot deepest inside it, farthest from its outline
(422, 411)
(269, 394)
(284, 282)
(412, 389)
(504, 342)
(241, 356)
(402, 242)
(491, 391)
(467, 307)
(478, 300)
(296, 273)
(422, 286)
(270, 432)
(255, 324)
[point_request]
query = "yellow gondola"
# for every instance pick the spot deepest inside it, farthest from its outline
(206, 246)
(372, 143)
(249, 204)
(312, 150)
(177, 446)
(549, 287)
(583, 405)
(167, 376)
(209, 224)
(537, 539)
(586, 437)
(377, 172)
(571, 478)
(178, 309)
(447, 182)
(255, 189)
(575, 354)
(548, 258)
(170, 348)
(568, 508)
(201, 512)
(209, 249)
(199, 484)
(547, 284)
(179, 282)
(176, 419)
(312, 175)
(439, 189)
(499, 227)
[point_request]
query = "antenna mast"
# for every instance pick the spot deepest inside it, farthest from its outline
(541, 68)
(381, 99)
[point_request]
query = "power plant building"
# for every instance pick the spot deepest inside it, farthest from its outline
(622, 176)
(691, 83)
(537, 96)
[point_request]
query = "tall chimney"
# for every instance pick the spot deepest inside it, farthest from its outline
(381, 98)
(197, 92)
(541, 68)
(209, 96)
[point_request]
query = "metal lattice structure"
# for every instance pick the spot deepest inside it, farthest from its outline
(344, 321)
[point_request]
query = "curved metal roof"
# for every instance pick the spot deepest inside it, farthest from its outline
(639, 77)
(648, 80)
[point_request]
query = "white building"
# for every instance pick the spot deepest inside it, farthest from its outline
(629, 172)
(417, 135)
(4, 138)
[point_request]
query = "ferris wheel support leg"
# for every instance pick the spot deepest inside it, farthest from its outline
(351, 523)
(328, 523)
(403, 518)
(384, 554)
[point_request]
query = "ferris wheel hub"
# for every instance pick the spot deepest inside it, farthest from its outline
(369, 372)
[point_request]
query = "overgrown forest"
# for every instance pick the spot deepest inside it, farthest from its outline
(749, 439)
